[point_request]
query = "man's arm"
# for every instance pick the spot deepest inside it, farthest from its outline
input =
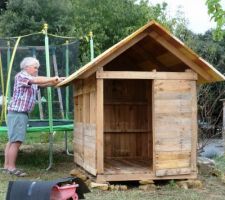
(47, 84)
(42, 80)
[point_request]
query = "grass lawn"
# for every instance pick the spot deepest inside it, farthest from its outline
(33, 158)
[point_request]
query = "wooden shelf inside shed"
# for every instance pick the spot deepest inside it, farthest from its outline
(125, 103)
(126, 131)
(127, 166)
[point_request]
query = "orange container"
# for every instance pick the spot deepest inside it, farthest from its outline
(64, 192)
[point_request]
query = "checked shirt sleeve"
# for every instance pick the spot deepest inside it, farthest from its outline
(23, 80)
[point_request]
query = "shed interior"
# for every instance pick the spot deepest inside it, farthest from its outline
(127, 126)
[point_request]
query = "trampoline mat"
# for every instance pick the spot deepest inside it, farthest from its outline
(43, 125)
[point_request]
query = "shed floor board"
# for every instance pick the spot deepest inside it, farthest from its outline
(127, 166)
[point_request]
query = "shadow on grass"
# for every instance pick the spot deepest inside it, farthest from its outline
(37, 156)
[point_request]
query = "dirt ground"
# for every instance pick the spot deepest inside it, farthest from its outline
(33, 159)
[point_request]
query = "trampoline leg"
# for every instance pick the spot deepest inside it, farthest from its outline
(66, 144)
(50, 151)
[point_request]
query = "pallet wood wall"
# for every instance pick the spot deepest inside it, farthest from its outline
(145, 120)
(85, 124)
(175, 129)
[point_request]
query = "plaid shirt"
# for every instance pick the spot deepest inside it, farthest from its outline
(24, 93)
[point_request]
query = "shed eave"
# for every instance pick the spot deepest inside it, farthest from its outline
(91, 67)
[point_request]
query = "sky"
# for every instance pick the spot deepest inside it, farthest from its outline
(195, 11)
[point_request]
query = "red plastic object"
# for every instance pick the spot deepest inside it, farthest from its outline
(64, 192)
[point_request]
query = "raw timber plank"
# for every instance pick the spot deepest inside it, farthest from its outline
(170, 95)
(170, 164)
(78, 144)
(173, 172)
(142, 176)
(126, 166)
(93, 107)
(172, 86)
(90, 130)
(86, 108)
(194, 127)
(100, 126)
(146, 75)
(173, 120)
(173, 146)
(173, 155)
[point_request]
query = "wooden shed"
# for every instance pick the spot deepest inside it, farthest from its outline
(136, 108)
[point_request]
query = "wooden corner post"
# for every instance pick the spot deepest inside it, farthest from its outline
(100, 125)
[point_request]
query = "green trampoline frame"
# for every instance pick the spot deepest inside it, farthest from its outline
(67, 127)
(46, 129)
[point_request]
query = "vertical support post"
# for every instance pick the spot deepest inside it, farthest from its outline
(100, 125)
(49, 92)
(8, 65)
(67, 97)
(153, 127)
(91, 45)
(39, 92)
(194, 117)
(67, 74)
(58, 89)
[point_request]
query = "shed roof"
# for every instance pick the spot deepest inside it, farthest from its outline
(154, 47)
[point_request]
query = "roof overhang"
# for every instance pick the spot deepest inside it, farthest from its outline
(206, 72)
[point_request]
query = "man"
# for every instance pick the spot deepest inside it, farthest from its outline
(23, 100)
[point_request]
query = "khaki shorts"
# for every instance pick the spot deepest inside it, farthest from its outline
(17, 126)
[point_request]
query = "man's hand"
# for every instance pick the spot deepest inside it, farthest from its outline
(61, 79)
(58, 79)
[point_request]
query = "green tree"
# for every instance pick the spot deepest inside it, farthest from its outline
(28, 16)
(111, 21)
(217, 13)
(3, 4)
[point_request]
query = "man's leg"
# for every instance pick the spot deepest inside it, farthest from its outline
(12, 154)
(6, 163)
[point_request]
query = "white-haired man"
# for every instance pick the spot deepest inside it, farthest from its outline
(22, 102)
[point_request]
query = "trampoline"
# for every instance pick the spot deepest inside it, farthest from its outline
(47, 55)
(43, 126)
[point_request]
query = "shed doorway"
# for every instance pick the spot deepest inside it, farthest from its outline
(128, 126)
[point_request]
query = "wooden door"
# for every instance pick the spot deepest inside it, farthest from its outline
(174, 127)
